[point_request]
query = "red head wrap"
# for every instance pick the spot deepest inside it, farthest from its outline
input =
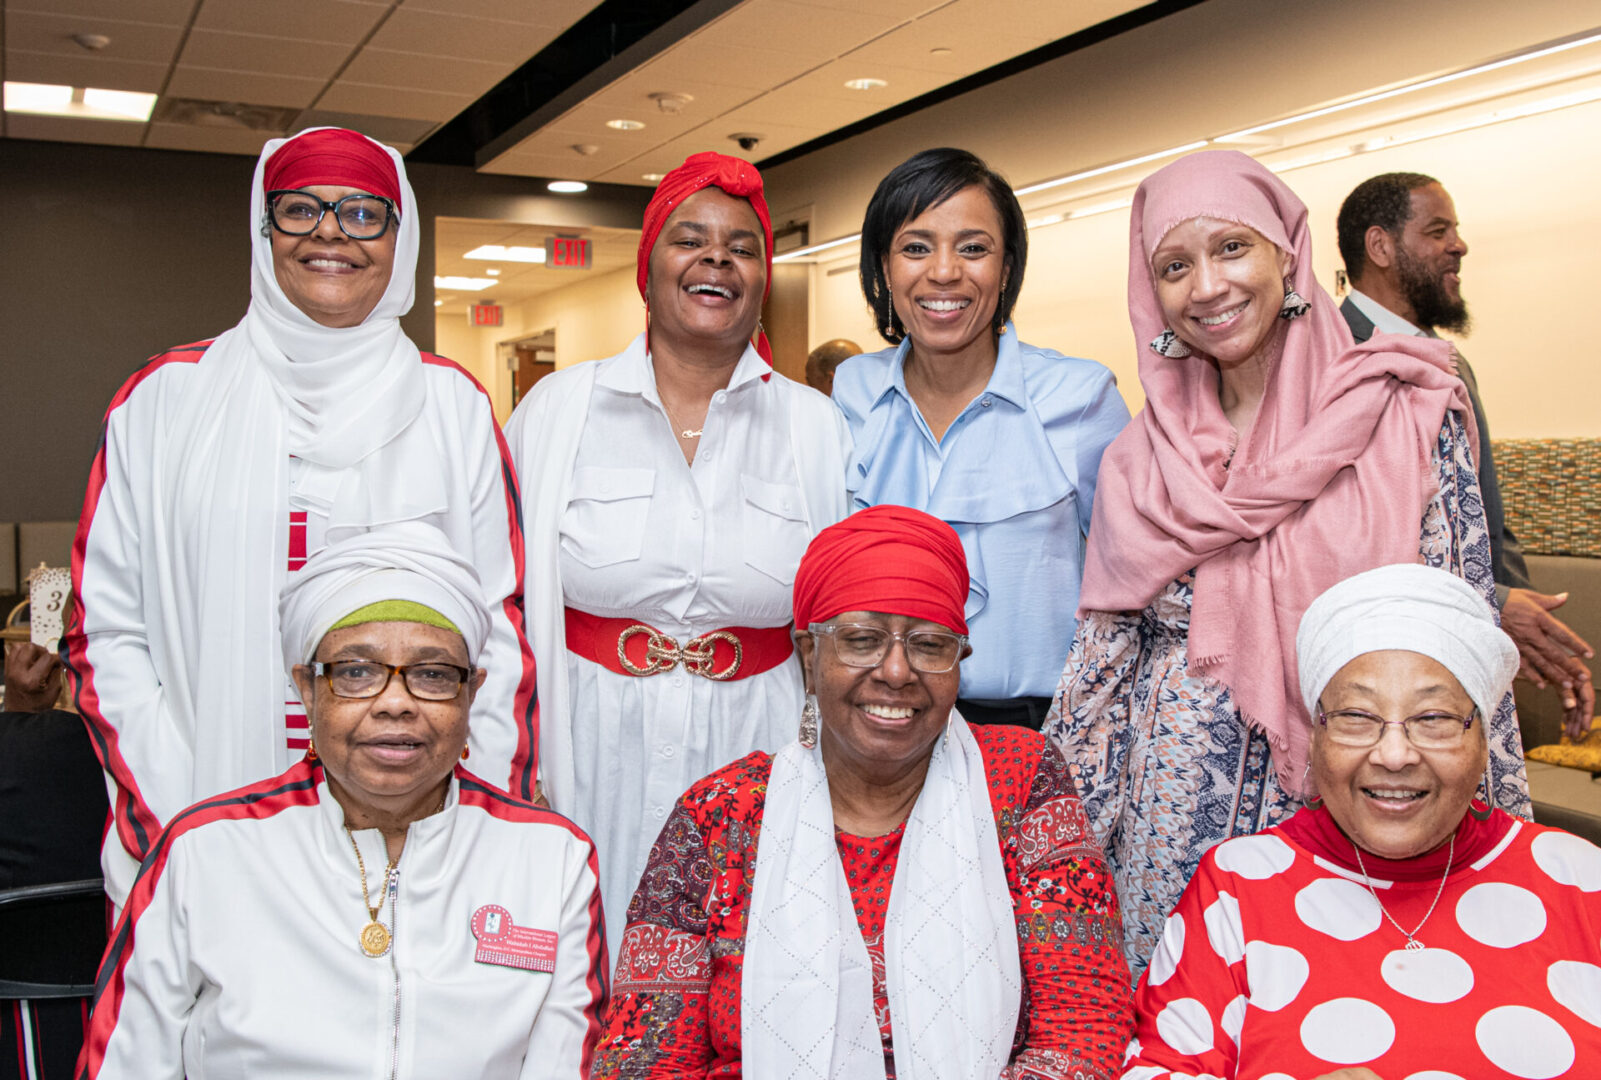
(889, 559)
(336, 157)
(734, 176)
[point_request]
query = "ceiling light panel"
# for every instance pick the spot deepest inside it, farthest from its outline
(89, 104)
(499, 253)
(463, 284)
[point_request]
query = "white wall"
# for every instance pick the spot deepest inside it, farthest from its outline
(595, 318)
(1523, 188)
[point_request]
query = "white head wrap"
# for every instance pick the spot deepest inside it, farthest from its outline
(408, 561)
(1412, 607)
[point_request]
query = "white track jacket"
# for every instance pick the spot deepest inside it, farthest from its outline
(238, 953)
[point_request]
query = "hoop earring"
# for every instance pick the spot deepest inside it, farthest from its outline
(1489, 793)
(1313, 802)
(808, 723)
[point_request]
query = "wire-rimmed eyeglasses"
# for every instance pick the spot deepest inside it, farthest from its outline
(860, 645)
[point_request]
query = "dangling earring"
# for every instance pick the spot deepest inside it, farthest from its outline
(1313, 802)
(950, 719)
(808, 724)
(465, 753)
(1167, 344)
(1294, 305)
(1489, 794)
(311, 750)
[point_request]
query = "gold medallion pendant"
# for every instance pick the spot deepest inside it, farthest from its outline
(375, 938)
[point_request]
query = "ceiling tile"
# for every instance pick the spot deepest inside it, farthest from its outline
(714, 65)
(215, 84)
(974, 40)
(554, 166)
(48, 33)
(386, 129)
(73, 129)
(339, 22)
(85, 70)
(392, 101)
(380, 67)
(260, 53)
(799, 104)
(1052, 19)
(895, 9)
(904, 83)
(803, 30)
(437, 34)
(555, 13)
(165, 12)
(632, 94)
(590, 119)
(215, 140)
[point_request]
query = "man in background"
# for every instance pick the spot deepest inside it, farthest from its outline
(1398, 235)
(822, 361)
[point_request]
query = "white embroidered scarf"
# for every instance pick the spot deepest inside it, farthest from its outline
(277, 384)
(950, 938)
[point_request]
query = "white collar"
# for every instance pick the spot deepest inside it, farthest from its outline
(1383, 319)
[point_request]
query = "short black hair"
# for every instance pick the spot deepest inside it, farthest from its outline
(1384, 200)
(925, 180)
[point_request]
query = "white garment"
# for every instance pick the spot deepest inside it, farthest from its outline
(1420, 609)
(1383, 319)
(238, 954)
(618, 525)
(182, 545)
(951, 965)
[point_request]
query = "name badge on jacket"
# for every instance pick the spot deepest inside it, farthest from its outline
(503, 942)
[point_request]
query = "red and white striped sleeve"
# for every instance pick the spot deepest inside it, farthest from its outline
(505, 728)
(106, 647)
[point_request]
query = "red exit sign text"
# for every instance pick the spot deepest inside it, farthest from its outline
(567, 252)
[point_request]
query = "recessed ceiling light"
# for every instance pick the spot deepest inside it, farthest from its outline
(864, 84)
(465, 284)
(507, 254)
(625, 125)
(653, 177)
(439, 303)
(89, 104)
(567, 187)
(492, 272)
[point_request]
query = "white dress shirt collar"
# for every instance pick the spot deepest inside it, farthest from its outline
(1383, 319)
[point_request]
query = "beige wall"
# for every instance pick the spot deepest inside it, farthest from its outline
(1523, 188)
(594, 318)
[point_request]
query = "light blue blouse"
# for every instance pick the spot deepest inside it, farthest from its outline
(1014, 476)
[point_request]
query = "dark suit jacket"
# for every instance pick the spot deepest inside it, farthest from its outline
(1505, 554)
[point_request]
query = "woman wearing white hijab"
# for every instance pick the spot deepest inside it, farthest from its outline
(1397, 926)
(375, 909)
(225, 464)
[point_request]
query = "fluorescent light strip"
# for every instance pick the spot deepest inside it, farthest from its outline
(1385, 95)
(1104, 169)
(464, 284)
(815, 248)
(44, 99)
(498, 253)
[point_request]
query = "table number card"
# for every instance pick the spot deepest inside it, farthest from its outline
(48, 591)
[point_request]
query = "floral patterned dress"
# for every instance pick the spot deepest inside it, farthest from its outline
(675, 1007)
(1164, 763)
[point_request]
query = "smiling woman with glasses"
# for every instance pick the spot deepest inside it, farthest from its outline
(227, 463)
(398, 914)
(893, 893)
(1398, 926)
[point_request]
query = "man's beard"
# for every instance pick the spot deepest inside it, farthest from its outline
(1432, 306)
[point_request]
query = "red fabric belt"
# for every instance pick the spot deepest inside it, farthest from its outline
(630, 647)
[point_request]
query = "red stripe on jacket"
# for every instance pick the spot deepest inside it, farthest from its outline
(297, 786)
(496, 803)
(525, 703)
(136, 824)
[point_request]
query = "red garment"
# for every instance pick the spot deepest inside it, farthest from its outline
(675, 1007)
(735, 177)
(332, 156)
(1278, 961)
(891, 559)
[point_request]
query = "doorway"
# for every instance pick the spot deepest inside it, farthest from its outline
(531, 359)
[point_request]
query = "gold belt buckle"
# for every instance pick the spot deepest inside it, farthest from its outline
(661, 651)
(699, 656)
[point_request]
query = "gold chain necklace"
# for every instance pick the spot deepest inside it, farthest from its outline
(685, 433)
(1412, 942)
(375, 936)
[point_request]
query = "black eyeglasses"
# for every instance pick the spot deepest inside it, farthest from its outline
(360, 217)
(429, 681)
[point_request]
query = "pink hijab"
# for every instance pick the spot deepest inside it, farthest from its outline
(1331, 479)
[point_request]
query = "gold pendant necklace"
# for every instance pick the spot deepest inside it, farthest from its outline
(375, 937)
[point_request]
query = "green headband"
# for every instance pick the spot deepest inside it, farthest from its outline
(396, 611)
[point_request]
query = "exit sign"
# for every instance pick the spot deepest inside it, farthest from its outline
(568, 252)
(486, 314)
